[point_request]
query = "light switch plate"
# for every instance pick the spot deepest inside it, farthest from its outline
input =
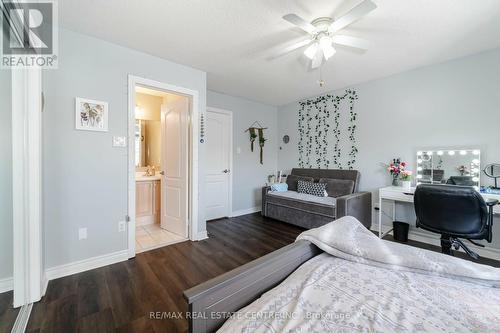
(119, 141)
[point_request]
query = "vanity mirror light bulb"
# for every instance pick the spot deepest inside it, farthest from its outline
(475, 152)
(419, 176)
(430, 153)
(419, 168)
(419, 153)
(475, 161)
(419, 161)
(440, 152)
(463, 152)
(451, 152)
(475, 179)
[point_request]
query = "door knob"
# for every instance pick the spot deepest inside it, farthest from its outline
(226, 171)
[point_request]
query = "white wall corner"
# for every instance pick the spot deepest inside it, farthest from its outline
(6, 284)
(246, 211)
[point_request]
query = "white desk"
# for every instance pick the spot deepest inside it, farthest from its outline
(399, 194)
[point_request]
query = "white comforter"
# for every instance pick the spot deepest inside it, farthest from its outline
(371, 285)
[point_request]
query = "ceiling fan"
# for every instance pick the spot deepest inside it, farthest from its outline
(323, 33)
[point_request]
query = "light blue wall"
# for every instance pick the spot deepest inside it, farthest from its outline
(6, 236)
(453, 104)
(248, 174)
(84, 177)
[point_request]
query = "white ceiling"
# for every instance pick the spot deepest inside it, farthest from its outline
(232, 39)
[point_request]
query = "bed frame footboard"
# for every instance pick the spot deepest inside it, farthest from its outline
(211, 302)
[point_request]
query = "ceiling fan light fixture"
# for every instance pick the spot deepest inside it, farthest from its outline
(325, 43)
(329, 52)
(310, 52)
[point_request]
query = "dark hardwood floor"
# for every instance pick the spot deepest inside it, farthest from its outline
(8, 314)
(120, 297)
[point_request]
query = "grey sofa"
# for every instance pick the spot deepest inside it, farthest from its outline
(308, 211)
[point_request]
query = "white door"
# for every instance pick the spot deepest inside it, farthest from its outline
(174, 180)
(218, 158)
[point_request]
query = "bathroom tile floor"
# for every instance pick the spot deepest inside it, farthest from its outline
(152, 236)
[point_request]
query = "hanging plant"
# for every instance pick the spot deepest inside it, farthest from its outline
(262, 141)
(253, 136)
(320, 136)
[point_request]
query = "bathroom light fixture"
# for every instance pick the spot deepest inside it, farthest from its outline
(440, 152)
(463, 152)
(475, 152)
(451, 152)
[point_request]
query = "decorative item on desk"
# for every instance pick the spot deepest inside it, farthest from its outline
(406, 176)
(395, 168)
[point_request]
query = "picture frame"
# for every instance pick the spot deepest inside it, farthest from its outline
(91, 115)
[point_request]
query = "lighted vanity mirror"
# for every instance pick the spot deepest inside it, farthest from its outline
(452, 167)
(147, 143)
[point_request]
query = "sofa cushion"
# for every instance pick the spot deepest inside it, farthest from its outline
(301, 201)
(316, 189)
(292, 180)
(338, 187)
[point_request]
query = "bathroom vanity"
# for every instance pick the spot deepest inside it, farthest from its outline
(147, 199)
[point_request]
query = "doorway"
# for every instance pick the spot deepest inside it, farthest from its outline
(219, 163)
(162, 165)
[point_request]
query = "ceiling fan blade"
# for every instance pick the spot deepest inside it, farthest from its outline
(351, 42)
(290, 48)
(353, 15)
(318, 59)
(300, 22)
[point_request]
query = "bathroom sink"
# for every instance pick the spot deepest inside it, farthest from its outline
(141, 177)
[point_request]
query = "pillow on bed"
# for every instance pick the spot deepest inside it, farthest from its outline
(292, 180)
(338, 187)
(317, 189)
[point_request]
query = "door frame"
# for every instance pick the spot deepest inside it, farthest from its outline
(231, 138)
(193, 134)
(28, 277)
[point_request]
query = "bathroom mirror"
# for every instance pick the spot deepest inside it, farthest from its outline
(452, 167)
(493, 171)
(147, 143)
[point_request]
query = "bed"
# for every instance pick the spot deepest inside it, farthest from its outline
(342, 278)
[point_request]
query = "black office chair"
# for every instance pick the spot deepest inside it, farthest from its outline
(454, 212)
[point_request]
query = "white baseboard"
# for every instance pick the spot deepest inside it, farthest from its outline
(202, 235)
(85, 265)
(246, 211)
(6, 284)
(434, 239)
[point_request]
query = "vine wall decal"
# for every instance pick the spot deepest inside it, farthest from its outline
(320, 131)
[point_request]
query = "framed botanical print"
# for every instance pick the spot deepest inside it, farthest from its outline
(91, 115)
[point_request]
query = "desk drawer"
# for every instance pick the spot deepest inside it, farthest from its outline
(398, 196)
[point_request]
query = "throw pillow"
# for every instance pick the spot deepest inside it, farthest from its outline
(292, 180)
(338, 187)
(317, 189)
(279, 187)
